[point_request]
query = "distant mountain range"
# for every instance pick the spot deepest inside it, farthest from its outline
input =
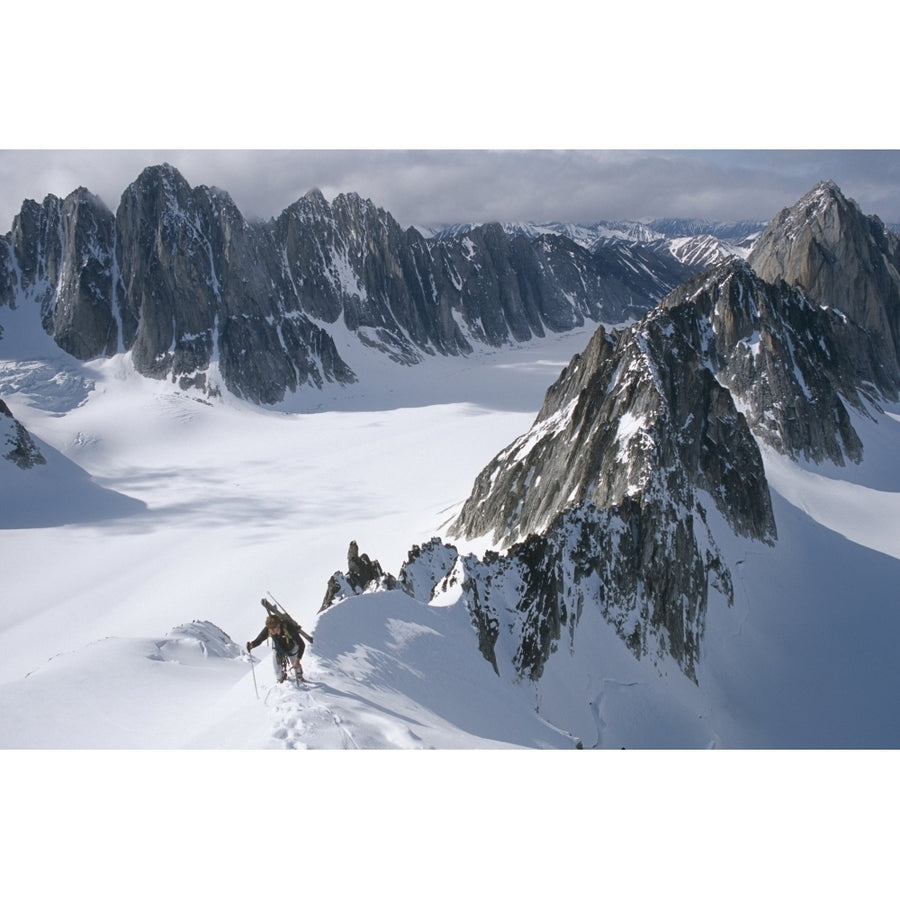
(177, 277)
(695, 242)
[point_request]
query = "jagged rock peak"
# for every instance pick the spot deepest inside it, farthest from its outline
(824, 208)
(53, 205)
(82, 197)
(313, 201)
(839, 257)
(163, 175)
(348, 203)
(165, 179)
(314, 197)
(793, 367)
(363, 576)
(639, 414)
(826, 189)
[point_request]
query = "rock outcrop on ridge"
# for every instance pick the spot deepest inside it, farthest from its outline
(363, 576)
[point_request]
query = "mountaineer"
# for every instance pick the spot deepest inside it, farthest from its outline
(287, 644)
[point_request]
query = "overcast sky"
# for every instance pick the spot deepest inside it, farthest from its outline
(440, 187)
(399, 75)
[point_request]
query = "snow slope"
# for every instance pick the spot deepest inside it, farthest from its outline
(131, 586)
(159, 509)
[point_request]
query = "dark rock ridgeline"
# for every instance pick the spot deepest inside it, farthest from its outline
(178, 277)
(60, 255)
(794, 368)
(639, 413)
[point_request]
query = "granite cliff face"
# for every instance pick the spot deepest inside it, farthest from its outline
(840, 258)
(198, 283)
(199, 295)
(351, 262)
(639, 412)
(507, 286)
(60, 257)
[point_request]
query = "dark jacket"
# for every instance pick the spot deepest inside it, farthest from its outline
(288, 643)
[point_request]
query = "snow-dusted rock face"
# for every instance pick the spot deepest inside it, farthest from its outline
(606, 499)
(825, 246)
(197, 281)
(16, 444)
(178, 277)
(350, 260)
(648, 567)
(792, 367)
(428, 572)
(510, 285)
(639, 414)
(60, 256)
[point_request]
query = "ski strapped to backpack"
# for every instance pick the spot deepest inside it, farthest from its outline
(279, 610)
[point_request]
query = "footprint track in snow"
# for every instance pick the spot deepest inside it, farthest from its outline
(299, 718)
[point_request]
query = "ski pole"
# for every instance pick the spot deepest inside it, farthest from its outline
(253, 671)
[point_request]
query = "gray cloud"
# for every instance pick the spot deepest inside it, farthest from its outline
(346, 74)
(427, 187)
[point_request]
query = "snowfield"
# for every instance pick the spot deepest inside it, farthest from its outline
(158, 509)
(135, 559)
(143, 546)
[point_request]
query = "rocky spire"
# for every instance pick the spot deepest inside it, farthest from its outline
(840, 258)
(639, 411)
(59, 255)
